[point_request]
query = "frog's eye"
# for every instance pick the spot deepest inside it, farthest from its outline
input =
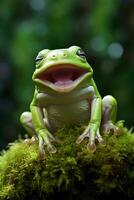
(38, 59)
(81, 53)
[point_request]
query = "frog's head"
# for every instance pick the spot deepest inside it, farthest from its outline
(62, 70)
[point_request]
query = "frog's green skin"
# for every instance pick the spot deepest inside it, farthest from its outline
(66, 94)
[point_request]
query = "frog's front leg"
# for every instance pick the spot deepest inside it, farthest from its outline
(109, 110)
(45, 137)
(92, 130)
(34, 124)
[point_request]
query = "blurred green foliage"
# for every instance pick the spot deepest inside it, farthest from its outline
(103, 28)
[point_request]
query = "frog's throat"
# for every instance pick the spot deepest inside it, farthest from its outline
(62, 77)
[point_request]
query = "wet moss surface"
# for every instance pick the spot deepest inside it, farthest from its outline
(71, 173)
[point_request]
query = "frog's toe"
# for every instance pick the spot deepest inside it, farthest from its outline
(41, 148)
(51, 149)
(110, 128)
(91, 147)
(79, 139)
(30, 141)
(51, 137)
(100, 139)
(90, 135)
(82, 137)
(116, 131)
(45, 145)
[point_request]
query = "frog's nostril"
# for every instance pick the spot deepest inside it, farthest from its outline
(53, 56)
(64, 54)
(58, 55)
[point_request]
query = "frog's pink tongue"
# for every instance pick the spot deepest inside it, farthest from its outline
(63, 83)
(63, 77)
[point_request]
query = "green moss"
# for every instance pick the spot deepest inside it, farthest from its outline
(72, 171)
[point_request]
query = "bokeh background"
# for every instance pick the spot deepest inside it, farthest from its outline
(103, 28)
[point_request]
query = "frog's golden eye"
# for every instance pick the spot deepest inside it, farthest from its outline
(38, 59)
(81, 53)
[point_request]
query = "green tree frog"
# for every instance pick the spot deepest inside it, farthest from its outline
(65, 95)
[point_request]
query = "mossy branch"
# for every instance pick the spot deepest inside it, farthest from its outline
(71, 173)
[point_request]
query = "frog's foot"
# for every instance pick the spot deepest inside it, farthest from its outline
(30, 141)
(110, 128)
(45, 143)
(92, 134)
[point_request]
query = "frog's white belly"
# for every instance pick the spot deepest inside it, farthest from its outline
(62, 110)
(58, 116)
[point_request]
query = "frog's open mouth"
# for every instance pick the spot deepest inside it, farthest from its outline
(62, 76)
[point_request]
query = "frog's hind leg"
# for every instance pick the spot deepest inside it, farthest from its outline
(109, 111)
(26, 121)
